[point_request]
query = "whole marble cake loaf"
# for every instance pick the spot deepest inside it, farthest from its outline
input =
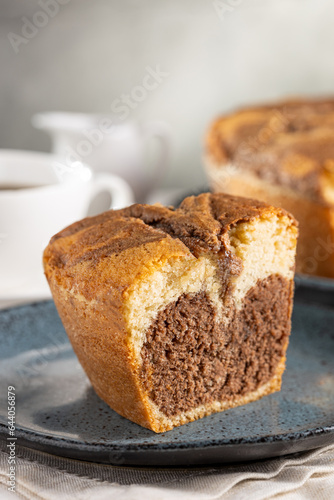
(283, 154)
(177, 313)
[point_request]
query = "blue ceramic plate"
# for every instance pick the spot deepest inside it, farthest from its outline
(58, 412)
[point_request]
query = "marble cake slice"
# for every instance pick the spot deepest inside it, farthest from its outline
(176, 314)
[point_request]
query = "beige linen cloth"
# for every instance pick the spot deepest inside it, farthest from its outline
(39, 475)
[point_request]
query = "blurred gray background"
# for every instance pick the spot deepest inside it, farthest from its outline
(218, 55)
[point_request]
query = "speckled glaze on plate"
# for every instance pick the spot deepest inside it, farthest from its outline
(58, 412)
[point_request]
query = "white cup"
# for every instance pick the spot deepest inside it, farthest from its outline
(107, 144)
(38, 197)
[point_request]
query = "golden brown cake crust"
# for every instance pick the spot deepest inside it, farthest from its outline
(200, 223)
(289, 143)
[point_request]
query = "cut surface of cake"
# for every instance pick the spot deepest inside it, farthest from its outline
(175, 314)
(282, 154)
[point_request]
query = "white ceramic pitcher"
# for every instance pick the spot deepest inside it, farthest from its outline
(110, 145)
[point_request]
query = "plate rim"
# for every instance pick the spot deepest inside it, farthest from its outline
(122, 454)
(179, 445)
(201, 456)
